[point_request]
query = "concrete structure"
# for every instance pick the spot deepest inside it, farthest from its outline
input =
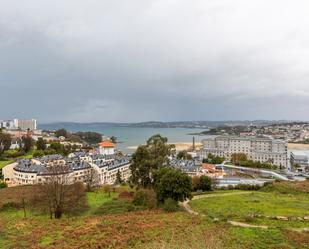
(23, 124)
(106, 148)
(261, 149)
(78, 167)
(26, 124)
(9, 124)
(301, 160)
(211, 171)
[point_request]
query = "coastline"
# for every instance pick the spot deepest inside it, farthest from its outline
(292, 146)
(179, 146)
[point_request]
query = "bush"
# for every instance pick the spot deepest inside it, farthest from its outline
(205, 183)
(170, 205)
(116, 207)
(49, 152)
(125, 195)
(3, 185)
(10, 205)
(145, 198)
(13, 154)
(247, 187)
(38, 153)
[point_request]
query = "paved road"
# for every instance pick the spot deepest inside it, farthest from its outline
(272, 173)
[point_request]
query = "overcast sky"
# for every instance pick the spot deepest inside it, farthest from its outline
(124, 61)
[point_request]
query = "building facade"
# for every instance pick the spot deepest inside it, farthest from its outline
(78, 168)
(300, 162)
(260, 149)
(107, 148)
(23, 124)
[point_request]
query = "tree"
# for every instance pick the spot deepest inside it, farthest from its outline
(61, 133)
(90, 137)
(205, 183)
(118, 178)
(58, 147)
(38, 153)
(195, 183)
(184, 155)
(237, 158)
(113, 139)
(92, 179)
(159, 151)
(40, 144)
(172, 183)
(213, 159)
(149, 158)
(5, 141)
(27, 143)
(58, 195)
(140, 167)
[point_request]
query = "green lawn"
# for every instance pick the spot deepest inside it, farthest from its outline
(4, 163)
(246, 207)
(98, 198)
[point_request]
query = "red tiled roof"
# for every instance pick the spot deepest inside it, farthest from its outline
(107, 144)
(209, 167)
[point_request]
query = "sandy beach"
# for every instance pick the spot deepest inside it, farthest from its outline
(298, 146)
(179, 146)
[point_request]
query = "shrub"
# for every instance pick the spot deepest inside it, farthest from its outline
(195, 183)
(205, 183)
(146, 198)
(116, 207)
(49, 152)
(230, 187)
(247, 187)
(10, 205)
(3, 185)
(38, 153)
(13, 154)
(170, 205)
(125, 195)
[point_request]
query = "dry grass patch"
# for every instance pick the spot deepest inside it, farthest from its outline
(300, 239)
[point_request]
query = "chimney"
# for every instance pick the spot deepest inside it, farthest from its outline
(193, 143)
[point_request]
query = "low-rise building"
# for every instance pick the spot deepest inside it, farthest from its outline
(77, 167)
(299, 161)
(106, 148)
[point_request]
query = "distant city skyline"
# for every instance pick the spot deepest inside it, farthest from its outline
(143, 60)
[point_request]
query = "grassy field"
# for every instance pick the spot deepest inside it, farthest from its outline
(110, 224)
(4, 163)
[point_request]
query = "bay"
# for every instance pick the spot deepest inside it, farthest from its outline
(129, 137)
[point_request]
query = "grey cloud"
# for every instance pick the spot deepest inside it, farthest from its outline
(145, 60)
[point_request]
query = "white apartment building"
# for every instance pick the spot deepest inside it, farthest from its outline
(79, 166)
(23, 124)
(261, 149)
(26, 124)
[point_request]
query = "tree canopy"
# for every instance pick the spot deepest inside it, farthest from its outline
(5, 141)
(149, 158)
(172, 183)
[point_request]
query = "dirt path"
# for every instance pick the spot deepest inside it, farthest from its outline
(197, 197)
(240, 224)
